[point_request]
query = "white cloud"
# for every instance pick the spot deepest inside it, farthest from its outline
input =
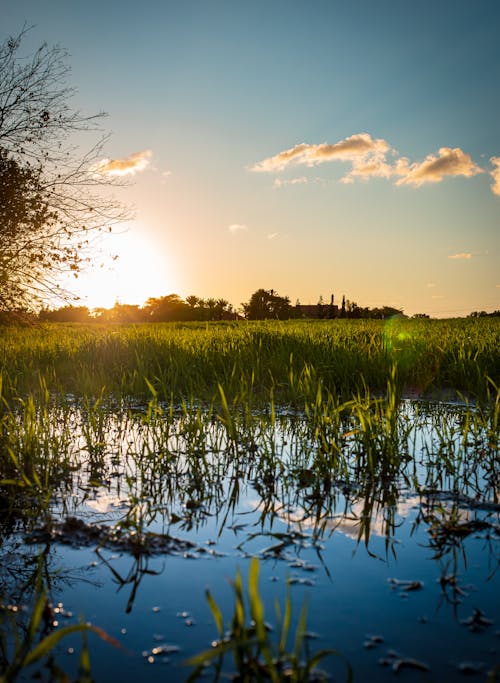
(163, 176)
(128, 166)
(495, 174)
(375, 158)
(292, 181)
(448, 162)
(360, 146)
(237, 227)
(272, 235)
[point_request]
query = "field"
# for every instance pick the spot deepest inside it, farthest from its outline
(286, 359)
(347, 464)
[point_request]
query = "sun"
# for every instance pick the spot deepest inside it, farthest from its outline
(129, 267)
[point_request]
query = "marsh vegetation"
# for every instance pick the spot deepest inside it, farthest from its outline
(273, 501)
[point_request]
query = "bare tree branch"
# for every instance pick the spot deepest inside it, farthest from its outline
(53, 202)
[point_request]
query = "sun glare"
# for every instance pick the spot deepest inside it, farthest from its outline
(139, 271)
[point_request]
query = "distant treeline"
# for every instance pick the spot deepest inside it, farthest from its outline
(263, 305)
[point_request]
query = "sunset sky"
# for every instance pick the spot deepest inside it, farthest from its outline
(312, 147)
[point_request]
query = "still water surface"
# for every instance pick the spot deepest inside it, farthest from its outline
(400, 566)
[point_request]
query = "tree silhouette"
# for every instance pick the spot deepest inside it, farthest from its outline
(29, 236)
(66, 314)
(165, 308)
(265, 304)
(59, 200)
(342, 309)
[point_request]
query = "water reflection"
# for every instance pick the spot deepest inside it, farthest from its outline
(425, 486)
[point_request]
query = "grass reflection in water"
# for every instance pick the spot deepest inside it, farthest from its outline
(399, 479)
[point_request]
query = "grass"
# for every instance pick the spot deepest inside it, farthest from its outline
(181, 414)
(36, 638)
(257, 655)
(249, 360)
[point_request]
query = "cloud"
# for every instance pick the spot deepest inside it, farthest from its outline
(132, 164)
(431, 284)
(375, 167)
(463, 256)
(375, 158)
(449, 162)
(292, 181)
(237, 227)
(356, 147)
(272, 235)
(495, 174)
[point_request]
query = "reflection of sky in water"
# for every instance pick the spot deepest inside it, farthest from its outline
(308, 537)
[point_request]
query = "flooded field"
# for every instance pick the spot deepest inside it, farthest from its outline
(381, 517)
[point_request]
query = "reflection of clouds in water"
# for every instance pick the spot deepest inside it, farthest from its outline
(351, 525)
(105, 502)
(354, 522)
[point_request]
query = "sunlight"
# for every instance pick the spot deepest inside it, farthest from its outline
(142, 269)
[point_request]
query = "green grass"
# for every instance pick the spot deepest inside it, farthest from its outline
(226, 402)
(256, 653)
(251, 360)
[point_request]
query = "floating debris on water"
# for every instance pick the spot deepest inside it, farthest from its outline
(406, 585)
(477, 622)
(297, 580)
(373, 641)
(75, 532)
(471, 667)
(164, 649)
(303, 564)
(398, 662)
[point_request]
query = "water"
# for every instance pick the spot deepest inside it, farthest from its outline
(399, 565)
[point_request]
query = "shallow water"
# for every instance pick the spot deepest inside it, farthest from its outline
(399, 565)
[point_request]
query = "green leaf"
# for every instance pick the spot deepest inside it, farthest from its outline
(216, 613)
(49, 642)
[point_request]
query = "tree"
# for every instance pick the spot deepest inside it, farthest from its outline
(52, 205)
(342, 310)
(24, 217)
(165, 308)
(265, 304)
(66, 314)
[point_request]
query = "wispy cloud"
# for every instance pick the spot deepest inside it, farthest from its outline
(128, 166)
(495, 174)
(237, 227)
(431, 284)
(291, 181)
(272, 235)
(448, 162)
(463, 256)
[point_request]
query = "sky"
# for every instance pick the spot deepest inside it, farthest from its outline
(311, 147)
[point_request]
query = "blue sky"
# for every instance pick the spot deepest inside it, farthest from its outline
(390, 201)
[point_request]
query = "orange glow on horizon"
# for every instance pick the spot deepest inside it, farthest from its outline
(141, 270)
